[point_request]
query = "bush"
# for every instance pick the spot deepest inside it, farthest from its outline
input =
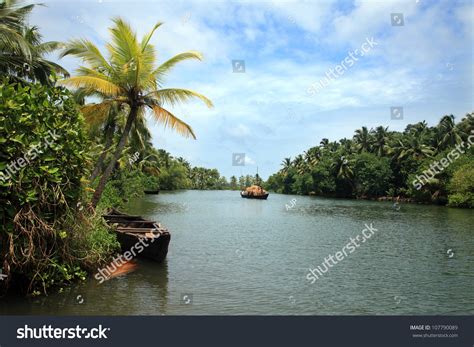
(42, 160)
(372, 175)
(124, 185)
(461, 187)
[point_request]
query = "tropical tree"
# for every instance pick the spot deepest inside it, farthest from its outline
(129, 78)
(286, 163)
(324, 143)
(448, 133)
(380, 141)
(22, 50)
(362, 139)
(12, 42)
(299, 164)
(343, 169)
(312, 156)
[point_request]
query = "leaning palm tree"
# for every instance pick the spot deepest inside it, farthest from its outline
(129, 78)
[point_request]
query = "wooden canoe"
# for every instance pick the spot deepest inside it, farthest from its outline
(148, 238)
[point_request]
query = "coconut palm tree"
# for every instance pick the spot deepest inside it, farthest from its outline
(312, 156)
(448, 133)
(324, 143)
(22, 50)
(363, 139)
(286, 163)
(12, 42)
(299, 164)
(380, 140)
(130, 78)
(466, 125)
(342, 167)
(411, 147)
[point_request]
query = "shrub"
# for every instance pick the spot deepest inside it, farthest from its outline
(42, 160)
(461, 187)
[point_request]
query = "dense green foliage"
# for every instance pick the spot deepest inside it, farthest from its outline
(42, 160)
(378, 162)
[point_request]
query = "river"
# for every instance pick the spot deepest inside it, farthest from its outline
(233, 256)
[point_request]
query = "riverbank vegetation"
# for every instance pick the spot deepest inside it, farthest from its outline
(68, 154)
(379, 163)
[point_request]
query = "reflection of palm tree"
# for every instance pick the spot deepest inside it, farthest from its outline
(129, 78)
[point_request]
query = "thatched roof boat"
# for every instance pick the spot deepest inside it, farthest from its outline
(254, 192)
(149, 238)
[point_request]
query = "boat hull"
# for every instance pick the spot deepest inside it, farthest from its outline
(145, 238)
(153, 248)
(257, 197)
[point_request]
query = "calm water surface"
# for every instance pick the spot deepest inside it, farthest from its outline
(235, 256)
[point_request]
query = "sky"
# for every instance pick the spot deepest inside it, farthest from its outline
(419, 60)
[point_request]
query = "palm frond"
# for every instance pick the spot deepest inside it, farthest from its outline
(148, 36)
(96, 113)
(164, 68)
(91, 83)
(174, 96)
(170, 121)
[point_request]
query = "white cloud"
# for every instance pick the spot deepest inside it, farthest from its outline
(287, 46)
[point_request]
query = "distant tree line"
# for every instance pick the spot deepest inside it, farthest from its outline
(378, 163)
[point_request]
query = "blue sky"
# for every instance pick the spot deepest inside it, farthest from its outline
(425, 66)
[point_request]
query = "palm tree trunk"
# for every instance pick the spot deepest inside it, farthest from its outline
(109, 135)
(118, 152)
